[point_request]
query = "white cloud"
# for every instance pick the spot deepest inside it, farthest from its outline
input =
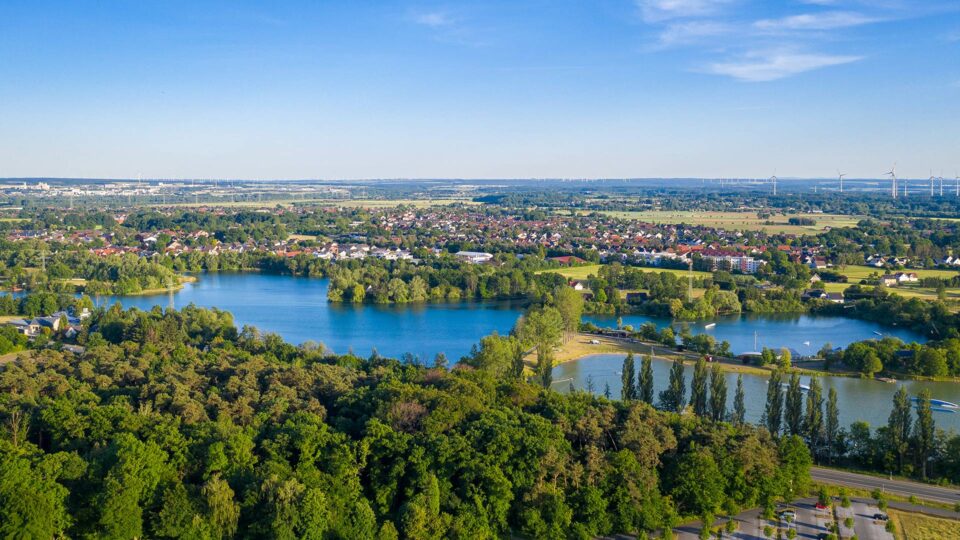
(690, 32)
(433, 19)
(770, 66)
(816, 21)
(663, 10)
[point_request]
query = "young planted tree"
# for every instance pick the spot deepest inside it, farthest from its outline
(898, 426)
(785, 358)
(793, 411)
(739, 404)
(645, 383)
(924, 431)
(674, 398)
(718, 394)
(698, 388)
(628, 391)
(773, 411)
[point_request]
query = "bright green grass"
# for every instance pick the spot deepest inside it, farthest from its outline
(855, 272)
(583, 272)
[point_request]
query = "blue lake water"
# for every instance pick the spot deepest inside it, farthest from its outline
(297, 309)
(805, 334)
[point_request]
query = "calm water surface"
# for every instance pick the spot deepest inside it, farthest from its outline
(858, 399)
(805, 334)
(297, 309)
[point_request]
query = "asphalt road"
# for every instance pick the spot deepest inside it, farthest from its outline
(865, 527)
(903, 488)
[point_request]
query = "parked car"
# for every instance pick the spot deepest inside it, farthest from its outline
(788, 514)
(821, 506)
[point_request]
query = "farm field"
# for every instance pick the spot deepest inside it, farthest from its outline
(583, 272)
(740, 220)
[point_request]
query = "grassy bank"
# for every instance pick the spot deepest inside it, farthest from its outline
(582, 345)
(912, 526)
(834, 489)
(160, 290)
(585, 271)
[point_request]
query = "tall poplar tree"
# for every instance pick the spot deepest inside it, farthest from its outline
(813, 421)
(793, 411)
(718, 394)
(698, 388)
(645, 383)
(773, 411)
(898, 426)
(674, 398)
(739, 404)
(832, 426)
(628, 390)
(924, 431)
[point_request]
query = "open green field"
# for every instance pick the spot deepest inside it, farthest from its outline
(923, 293)
(856, 272)
(583, 272)
(740, 220)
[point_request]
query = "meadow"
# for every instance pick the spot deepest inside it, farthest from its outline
(748, 221)
(585, 271)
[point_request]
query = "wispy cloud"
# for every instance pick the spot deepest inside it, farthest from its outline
(433, 19)
(733, 42)
(828, 20)
(450, 26)
(664, 10)
(689, 32)
(769, 66)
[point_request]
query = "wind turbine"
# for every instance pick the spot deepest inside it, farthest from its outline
(774, 180)
(893, 176)
(841, 175)
(932, 179)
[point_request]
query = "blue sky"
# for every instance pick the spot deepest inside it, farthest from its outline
(511, 89)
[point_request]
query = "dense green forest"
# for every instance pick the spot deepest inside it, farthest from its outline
(176, 424)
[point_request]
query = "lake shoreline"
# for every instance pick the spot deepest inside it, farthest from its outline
(184, 279)
(579, 347)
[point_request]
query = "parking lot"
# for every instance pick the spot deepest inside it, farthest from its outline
(809, 522)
